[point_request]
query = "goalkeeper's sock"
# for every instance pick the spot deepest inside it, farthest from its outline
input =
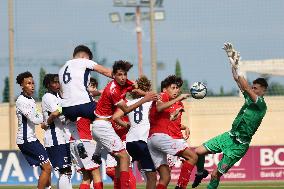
(213, 184)
(200, 164)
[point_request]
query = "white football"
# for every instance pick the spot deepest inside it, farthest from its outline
(198, 90)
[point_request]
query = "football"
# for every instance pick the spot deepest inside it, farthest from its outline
(198, 90)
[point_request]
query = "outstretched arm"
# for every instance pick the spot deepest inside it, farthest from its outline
(164, 105)
(103, 70)
(234, 58)
(150, 96)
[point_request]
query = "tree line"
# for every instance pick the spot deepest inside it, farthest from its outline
(274, 89)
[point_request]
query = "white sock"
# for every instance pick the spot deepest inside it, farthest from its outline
(49, 187)
(64, 182)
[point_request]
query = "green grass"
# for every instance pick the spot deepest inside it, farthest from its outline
(224, 185)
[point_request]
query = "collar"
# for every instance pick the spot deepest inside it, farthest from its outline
(29, 97)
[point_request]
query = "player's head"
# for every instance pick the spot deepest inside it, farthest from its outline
(26, 81)
(119, 71)
(51, 83)
(142, 83)
(92, 88)
(259, 86)
(171, 85)
(82, 51)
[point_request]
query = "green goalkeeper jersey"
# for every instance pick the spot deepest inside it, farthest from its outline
(248, 119)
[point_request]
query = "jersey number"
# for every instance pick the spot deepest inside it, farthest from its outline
(138, 114)
(66, 76)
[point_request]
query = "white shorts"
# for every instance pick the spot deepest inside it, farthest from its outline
(160, 145)
(87, 163)
(105, 136)
(111, 161)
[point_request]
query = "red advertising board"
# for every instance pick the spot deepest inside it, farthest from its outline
(260, 163)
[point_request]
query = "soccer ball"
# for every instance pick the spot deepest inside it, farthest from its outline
(198, 90)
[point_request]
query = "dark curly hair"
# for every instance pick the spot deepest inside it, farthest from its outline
(48, 78)
(93, 82)
(20, 78)
(171, 79)
(83, 48)
(144, 84)
(121, 65)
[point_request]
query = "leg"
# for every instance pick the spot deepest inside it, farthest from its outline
(165, 177)
(123, 164)
(151, 180)
(75, 134)
(44, 176)
(86, 180)
(64, 180)
(215, 179)
(186, 168)
(202, 173)
(97, 180)
(132, 179)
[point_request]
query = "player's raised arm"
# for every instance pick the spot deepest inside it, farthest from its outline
(150, 96)
(103, 70)
(164, 105)
(233, 57)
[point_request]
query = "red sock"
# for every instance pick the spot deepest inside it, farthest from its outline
(116, 183)
(110, 173)
(124, 180)
(132, 180)
(161, 186)
(84, 186)
(185, 173)
(98, 185)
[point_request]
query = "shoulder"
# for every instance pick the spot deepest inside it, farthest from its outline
(164, 97)
(24, 102)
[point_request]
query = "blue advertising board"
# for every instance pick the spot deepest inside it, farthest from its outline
(15, 170)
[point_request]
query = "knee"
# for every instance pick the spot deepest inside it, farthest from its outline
(198, 151)
(46, 168)
(151, 177)
(194, 158)
(123, 155)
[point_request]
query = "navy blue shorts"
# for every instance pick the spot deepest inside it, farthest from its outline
(34, 153)
(138, 150)
(59, 156)
(83, 110)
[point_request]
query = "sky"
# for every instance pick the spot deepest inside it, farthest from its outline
(193, 32)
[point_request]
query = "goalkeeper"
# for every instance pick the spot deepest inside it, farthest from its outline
(234, 143)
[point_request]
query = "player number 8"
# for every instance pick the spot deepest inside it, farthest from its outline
(138, 115)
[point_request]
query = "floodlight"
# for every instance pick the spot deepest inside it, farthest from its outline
(129, 16)
(114, 17)
(159, 15)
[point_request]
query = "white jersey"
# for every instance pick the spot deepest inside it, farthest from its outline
(28, 117)
(55, 134)
(139, 122)
(74, 78)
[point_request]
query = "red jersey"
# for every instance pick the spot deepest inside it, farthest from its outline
(121, 131)
(160, 121)
(111, 96)
(84, 130)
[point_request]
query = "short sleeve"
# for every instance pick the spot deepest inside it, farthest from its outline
(90, 64)
(50, 102)
(164, 97)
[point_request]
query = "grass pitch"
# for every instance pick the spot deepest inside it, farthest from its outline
(224, 185)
